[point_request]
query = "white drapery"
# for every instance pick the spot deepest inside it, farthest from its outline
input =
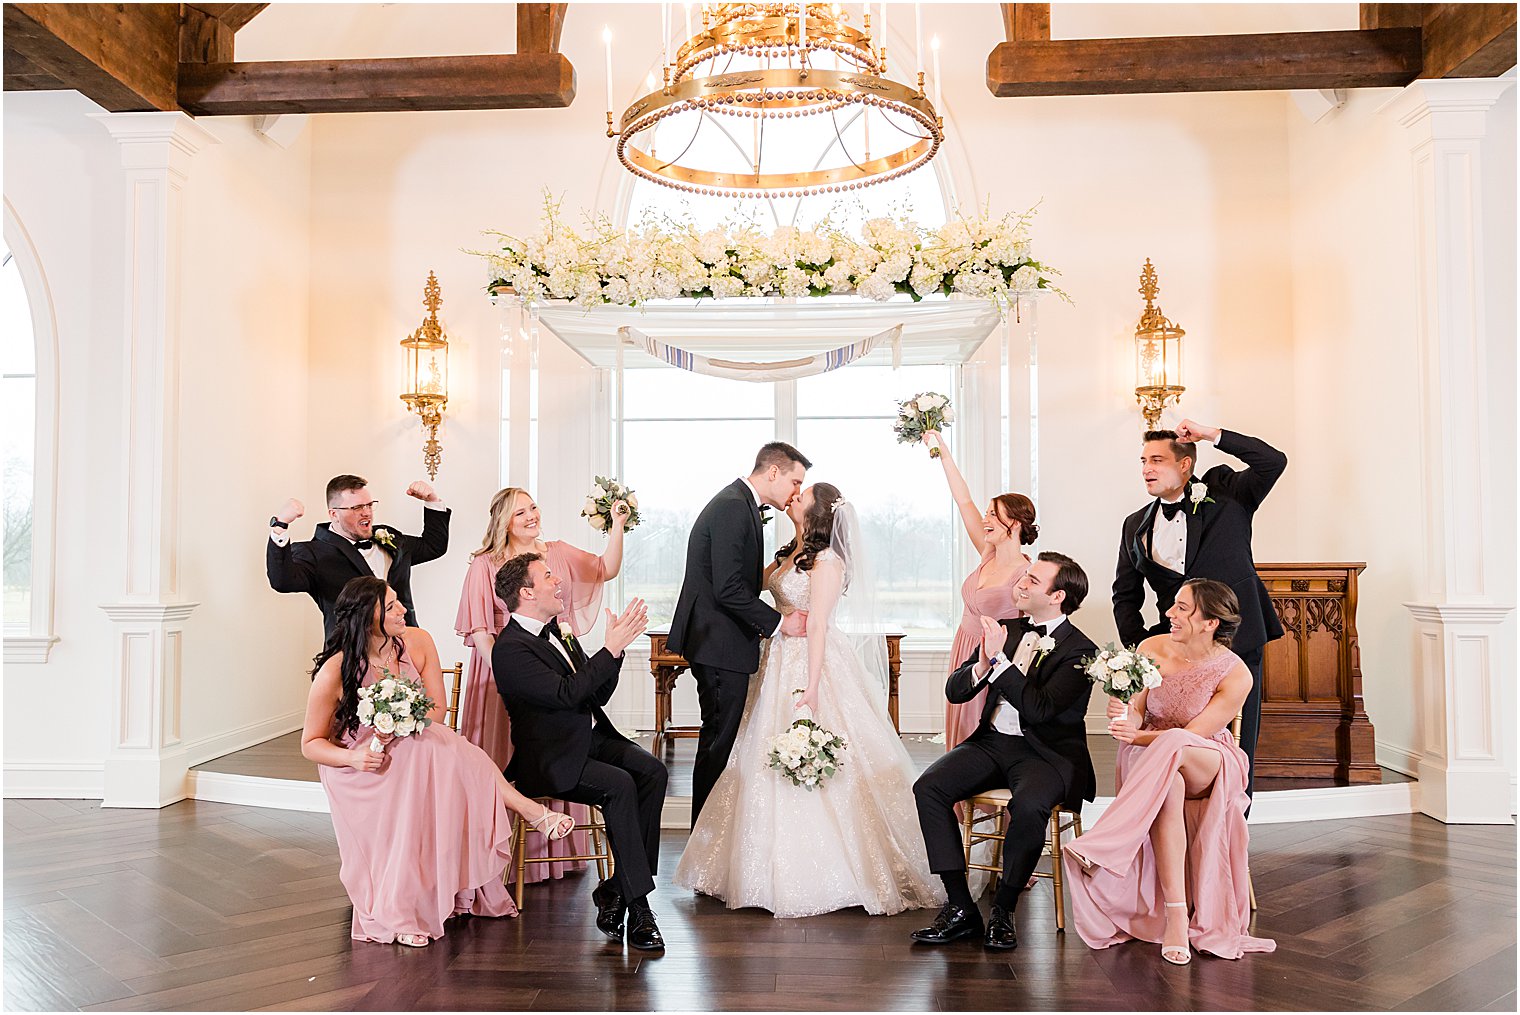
(777, 370)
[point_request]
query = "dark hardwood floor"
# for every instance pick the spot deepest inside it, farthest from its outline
(215, 906)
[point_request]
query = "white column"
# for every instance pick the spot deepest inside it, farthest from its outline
(1461, 660)
(146, 765)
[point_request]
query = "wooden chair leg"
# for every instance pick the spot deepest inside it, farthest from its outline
(1056, 883)
(968, 820)
(520, 854)
(596, 847)
(1251, 887)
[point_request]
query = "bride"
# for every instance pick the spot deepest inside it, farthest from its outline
(853, 841)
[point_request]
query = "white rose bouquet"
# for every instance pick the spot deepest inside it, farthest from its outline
(394, 705)
(1122, 672)
(806, 754)
(598, 508)
(927, 410)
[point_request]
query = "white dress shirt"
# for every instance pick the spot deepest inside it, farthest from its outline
(536, 629)
(1169, 539)
(1005, 718)
(378, 560)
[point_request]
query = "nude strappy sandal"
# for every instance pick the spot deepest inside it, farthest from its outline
(1177, 955)
(414, 940)
(552, 824)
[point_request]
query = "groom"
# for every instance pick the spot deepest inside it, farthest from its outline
(719, 618)
(1032, 740)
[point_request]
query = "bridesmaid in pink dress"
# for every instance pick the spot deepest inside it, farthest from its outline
(999, 536)
(1175, 837)
(513, 529)
(422, 824)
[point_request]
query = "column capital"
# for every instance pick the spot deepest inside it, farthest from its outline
(1451, 109)
(156, 140)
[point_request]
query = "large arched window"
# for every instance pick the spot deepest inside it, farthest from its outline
(26, 446)
(681, 436)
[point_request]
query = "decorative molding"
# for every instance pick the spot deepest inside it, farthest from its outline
(149, 612)
(1459, 613)
(54, 780)
(1399, 759)
(28, 649)
(255, 791)
(198, 752)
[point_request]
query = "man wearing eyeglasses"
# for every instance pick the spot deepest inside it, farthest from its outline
(351, 545)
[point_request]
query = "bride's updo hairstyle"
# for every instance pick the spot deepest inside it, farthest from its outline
(359, 610)
(1216, 601)
(817, 527)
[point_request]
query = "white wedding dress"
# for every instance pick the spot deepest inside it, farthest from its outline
(854, 841)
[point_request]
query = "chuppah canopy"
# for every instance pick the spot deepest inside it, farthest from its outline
(774, 332)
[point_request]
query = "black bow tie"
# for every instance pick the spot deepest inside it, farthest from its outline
(1170, 510)
(363, 544)
(550, 631)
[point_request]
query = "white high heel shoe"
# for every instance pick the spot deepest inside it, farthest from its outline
(1177, 955)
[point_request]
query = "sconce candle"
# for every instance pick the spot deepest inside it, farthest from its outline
(1158, 354)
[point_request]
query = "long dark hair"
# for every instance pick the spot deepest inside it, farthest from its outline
(817, 527)
(356, 617)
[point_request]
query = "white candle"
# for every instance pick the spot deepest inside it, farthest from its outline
(688, 22)
(802, 24)
(607, 39)
(664, 33)
(881, 31)
(918, 35)
(934, 48)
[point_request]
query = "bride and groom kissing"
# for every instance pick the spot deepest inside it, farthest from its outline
(875, 834)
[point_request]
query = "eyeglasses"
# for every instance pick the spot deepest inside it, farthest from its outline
(357, 507)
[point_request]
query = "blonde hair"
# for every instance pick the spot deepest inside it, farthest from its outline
(502, 505)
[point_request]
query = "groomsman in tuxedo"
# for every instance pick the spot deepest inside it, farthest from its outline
(563, 744)
(1032, 740)
(351, 545)
(1200, 529)
(719, 618)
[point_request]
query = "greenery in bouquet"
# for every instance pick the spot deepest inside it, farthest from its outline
(807, 753)
(603, 496)
(925, 411)
(1122, 672)
(395, 706)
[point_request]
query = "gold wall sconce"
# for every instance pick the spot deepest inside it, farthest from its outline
(1158, 354)
(427, 374)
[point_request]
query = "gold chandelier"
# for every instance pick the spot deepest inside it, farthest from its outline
(761, 69)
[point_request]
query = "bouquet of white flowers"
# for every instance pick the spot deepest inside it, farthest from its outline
(394, 705)
(806, 754)
(927, 410)
(1122, 672)
(599, 502)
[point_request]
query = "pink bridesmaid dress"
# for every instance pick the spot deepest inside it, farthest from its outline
(424, 839)
(996, 602)
(1120, 898)
(483, 718)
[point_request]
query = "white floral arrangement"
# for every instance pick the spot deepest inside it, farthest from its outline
(599, 502)
(394, 705)
(927, 410)
(807, 754)
(1122, 672)
(976, 256)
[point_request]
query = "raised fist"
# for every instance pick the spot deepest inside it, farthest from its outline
(422, 490)
(290, 511)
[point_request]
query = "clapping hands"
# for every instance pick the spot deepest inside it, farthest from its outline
(621, 630)
(993, 637)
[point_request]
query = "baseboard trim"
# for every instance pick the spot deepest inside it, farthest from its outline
(198, 752)
(256, 791)
(1399, 759)
(55, 780)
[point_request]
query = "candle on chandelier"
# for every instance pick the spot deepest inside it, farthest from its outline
(802, 25)
(934, 48)
(688, 21)
(918, 35)
(664, 33)
(881, 33)
(607, 39)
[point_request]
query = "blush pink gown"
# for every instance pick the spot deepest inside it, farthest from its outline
(996, 602)
(482, 717)
(1121, 897)
(427, 837)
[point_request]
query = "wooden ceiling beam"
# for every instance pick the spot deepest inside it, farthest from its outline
(1468, 40)
(514, 81)
(122, 56)
(234, 16)
(1026, 22)
(539, 27)
(203, 38)
(1208, 63)
(1391, 15)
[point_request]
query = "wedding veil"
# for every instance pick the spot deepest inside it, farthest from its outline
(856, 615)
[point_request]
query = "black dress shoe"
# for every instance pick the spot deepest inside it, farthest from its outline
(610, 908)
(643, 932)
(953, 923)
(1001, 933)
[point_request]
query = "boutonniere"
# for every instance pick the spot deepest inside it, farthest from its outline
(765, 514)
(386, 538)
(566, 636)
(1198, 493)
(1045, 645)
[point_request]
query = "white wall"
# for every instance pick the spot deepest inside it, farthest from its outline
(243, 414)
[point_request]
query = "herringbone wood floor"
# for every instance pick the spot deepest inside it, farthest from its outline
(224, 907)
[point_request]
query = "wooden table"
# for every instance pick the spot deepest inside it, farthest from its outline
(665, 666)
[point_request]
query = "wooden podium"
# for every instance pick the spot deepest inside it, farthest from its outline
(665, 666)
(1313, 722)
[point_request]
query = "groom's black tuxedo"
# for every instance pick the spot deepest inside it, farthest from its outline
(1045, 765)
(324, 564)
(564, 746)
(718, 624)
(1218, 548)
